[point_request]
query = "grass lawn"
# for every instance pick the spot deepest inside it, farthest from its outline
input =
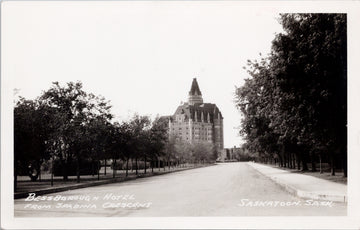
(326, 174)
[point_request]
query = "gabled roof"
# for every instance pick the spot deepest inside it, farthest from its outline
(206, 108)
(195, 90)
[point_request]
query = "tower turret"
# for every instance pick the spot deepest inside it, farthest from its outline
(195, 93)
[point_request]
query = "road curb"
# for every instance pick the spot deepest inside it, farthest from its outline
(96, 183)
(303, 194)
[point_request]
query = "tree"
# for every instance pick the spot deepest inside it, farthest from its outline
(31, 132)
(75, 108)
(170, 148)
(101, 138)
(139, 126)
(202, 152)
(157, 137)
(125, 143)
(183, 151)
(294, 105)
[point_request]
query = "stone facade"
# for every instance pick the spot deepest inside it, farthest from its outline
(196, 121)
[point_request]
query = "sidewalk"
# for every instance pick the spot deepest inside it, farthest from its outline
(41, 188)
(304, 186)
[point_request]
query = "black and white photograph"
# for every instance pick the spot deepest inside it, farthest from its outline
(180, 114)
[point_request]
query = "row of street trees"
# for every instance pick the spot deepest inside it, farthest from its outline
(75, 130)
(294, 105)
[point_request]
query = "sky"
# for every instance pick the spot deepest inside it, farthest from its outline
(142, 56)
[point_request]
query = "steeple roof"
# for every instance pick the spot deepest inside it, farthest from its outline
(195, 90)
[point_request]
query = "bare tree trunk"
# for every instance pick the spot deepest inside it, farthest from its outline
(313, 163)
(136, 165)
(78, 170)
(39, 171)
(15, 174)
(290, 161)
(64, 170)
(98, 169)
(92, 168)
(52, 172)
(298, 161)
(320, 164)
(145, 164)
(304, 163)
(114, 167)
(282, 156)
(332, 163)
(127, 166)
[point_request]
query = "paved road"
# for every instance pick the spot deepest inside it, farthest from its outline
(231, 189)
